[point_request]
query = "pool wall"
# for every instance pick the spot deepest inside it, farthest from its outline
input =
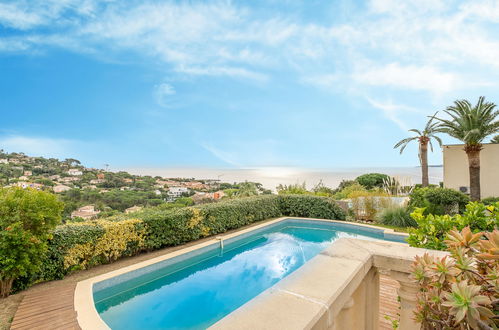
(88, 317)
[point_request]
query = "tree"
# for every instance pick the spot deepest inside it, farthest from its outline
(27, 218)
(495, 139)
(372, 180)
(424, 139)
(471, 125)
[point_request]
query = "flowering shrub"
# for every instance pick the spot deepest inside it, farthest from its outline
(432, 229)
(460, 291)
(118, 238)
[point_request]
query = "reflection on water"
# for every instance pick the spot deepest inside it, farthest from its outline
(197, 296)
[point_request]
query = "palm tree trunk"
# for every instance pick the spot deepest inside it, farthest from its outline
(423, 155)
(473, 152)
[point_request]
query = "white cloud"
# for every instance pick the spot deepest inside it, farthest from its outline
(162, 92)
(408, 77)
(393, 111)
(15, 16)
(39, 146)
(433, 46)
(223, 71)
(225, 156)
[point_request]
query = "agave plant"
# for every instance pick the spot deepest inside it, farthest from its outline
(460, 291)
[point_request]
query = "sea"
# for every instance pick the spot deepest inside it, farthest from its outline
(271, 177)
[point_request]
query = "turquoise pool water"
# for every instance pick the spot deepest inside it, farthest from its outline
(195, 290)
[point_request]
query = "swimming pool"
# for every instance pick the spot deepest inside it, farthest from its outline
(196, 289)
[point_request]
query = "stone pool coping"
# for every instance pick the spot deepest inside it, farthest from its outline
(87, 315)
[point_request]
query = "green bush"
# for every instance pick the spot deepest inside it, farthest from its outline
(433, 229)
(397, 216)
(158, 227)
(372, 180)
(310, 207)
(438, 201)
(490, 200)
(27, 217)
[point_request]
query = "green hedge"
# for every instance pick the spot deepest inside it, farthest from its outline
(438, 201)
(158, 227)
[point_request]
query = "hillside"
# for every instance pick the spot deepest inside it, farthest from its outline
(90, 192)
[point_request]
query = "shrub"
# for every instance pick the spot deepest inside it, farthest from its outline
(460, 292)
(490, 200)
(433, 229)
(438, 201)
(372, 180)
(397, 216)
(347, 190)
(294, 189)
(27, 217)
(310, 207)
(85, 244)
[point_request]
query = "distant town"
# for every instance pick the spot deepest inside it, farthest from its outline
(90, 193)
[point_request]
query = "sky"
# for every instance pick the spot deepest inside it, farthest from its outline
(238, 84)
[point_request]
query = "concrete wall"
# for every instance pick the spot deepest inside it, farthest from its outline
(456, 169)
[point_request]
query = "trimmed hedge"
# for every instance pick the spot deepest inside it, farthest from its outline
(438, 201)
(86, 244)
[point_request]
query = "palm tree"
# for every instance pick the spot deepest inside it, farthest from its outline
(424, 139)
(471, 124)
(495, 139)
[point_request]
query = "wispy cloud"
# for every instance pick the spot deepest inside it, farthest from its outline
(411, 77)
(226, 156)
(393, 111)
(40, 146)
(162, 93)
(421, 46)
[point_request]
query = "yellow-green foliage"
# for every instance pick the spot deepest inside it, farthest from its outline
(196, 220)
(367, 204)
(82, 245)
(117, 239)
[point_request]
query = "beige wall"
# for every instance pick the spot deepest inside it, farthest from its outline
(456, 169)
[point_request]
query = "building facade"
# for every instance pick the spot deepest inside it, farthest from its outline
(456, 172)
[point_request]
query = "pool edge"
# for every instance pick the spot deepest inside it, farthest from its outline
(89, 318)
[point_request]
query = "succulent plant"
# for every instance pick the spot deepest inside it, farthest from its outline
(460, 291)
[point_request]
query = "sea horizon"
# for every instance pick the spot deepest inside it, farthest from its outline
(271, 177)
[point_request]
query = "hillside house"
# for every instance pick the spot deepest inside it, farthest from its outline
(61, 188)
(87, 212)
(176, 192)
(69, 179)
(24, 185)
(75, 171)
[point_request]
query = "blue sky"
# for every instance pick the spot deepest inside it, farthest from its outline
(315, 84)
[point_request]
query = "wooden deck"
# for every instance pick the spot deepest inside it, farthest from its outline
(53, 309)
(47, 310)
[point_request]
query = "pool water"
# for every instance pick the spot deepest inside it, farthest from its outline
(194, 292)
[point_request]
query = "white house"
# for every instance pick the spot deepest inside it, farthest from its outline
(87, 212)
(75, 171)
(176, 192)
(61, 188)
